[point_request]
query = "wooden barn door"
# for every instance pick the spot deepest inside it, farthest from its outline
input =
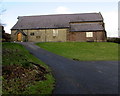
(19, 37)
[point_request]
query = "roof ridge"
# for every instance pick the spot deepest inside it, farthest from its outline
(59, 14)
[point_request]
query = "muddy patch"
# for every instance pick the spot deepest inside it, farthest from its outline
(18, 77)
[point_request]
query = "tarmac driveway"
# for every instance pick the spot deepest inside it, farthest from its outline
(79, 77)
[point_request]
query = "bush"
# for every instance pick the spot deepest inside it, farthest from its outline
(6, 37)
(115, 40)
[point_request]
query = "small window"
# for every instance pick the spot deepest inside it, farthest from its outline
(32, 34)
(55, 32)
(89, 34)
(38, 37)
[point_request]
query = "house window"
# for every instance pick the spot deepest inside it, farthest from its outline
(32, 34)
(37, 37)
(55, 32)
(89, 34)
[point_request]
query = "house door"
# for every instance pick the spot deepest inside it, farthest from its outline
(19, 37)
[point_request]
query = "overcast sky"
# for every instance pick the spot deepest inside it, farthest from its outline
(108, 8)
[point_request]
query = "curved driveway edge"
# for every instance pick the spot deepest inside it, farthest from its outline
(79, 77)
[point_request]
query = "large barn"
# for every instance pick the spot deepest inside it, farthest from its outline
(60, 28)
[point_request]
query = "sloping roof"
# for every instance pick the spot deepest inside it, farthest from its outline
(54, 21)
(86, 27)
(21, 32)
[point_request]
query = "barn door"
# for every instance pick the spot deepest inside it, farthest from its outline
(19, 37)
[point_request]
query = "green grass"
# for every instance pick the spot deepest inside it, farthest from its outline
(16, 54)
(45, 87)
(84, 51)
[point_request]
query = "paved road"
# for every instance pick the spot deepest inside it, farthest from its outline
(79, 77)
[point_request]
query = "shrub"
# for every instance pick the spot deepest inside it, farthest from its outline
(6, 37)
(115, 40)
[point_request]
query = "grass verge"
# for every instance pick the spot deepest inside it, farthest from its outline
(23, 73)
(84, 51)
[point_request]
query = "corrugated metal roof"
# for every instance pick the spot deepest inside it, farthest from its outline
(86, 27)
(54, 21)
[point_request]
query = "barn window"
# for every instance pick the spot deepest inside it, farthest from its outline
(89, 34)
(55, 32)
(37, 37)
(32, 34)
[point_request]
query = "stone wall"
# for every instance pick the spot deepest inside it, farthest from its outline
(81, 36)
(41, 35)
(63, 35)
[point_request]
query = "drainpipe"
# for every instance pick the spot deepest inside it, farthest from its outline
(45, 34)
(27, 35)
(96, 36)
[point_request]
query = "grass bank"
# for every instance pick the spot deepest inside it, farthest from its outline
(84, 51)
(23, 73)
